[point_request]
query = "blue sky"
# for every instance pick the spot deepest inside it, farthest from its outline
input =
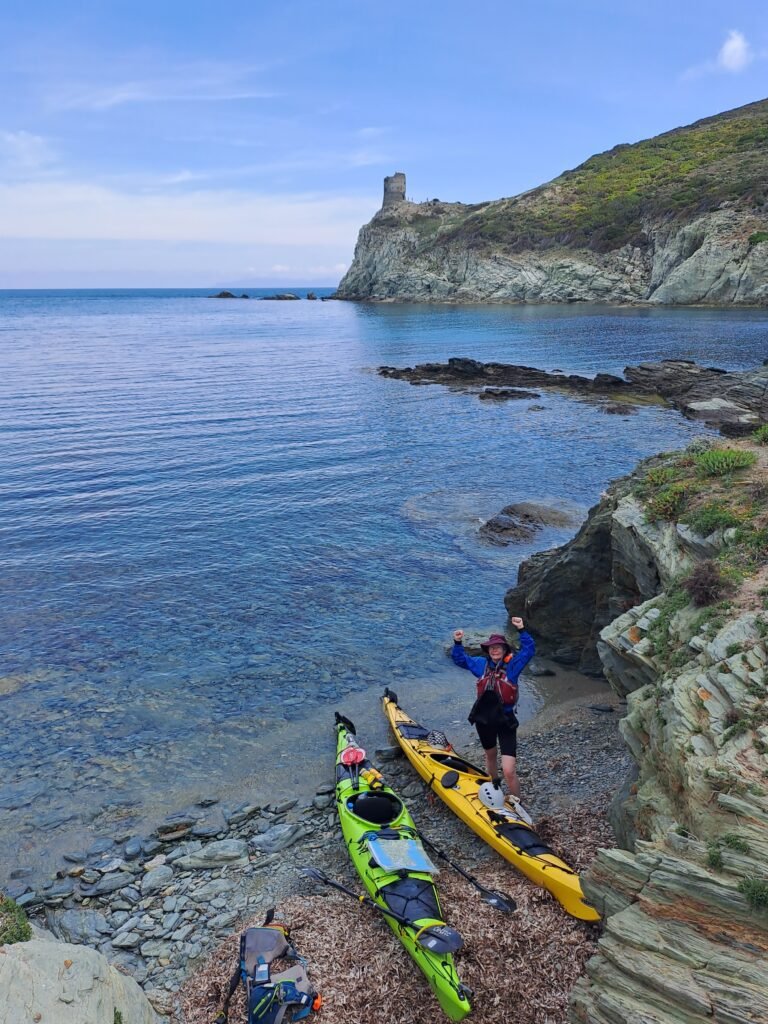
(172, 144)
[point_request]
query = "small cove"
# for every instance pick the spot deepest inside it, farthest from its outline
(219, 525)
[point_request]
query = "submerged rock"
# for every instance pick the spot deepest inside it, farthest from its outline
(521, 522)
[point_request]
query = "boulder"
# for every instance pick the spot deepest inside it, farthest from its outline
(67, 984)
(521, 521)
(223, 852)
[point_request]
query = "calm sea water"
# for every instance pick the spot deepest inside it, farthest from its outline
(218, 524)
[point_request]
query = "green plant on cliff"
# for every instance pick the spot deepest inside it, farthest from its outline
(607, 201)
(735, 843)
(714, 857)
(757, 237)
(721, 461)
(756, 892)
(14, 926)
(761, 434)
(659, 632)
(715, 515)
(118, 1018)
(668, 502)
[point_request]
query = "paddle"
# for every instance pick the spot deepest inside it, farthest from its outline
(352, 758)
(437, 938)
(497, 900)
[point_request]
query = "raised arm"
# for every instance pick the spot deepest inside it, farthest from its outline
(460, 657)
(527, 650)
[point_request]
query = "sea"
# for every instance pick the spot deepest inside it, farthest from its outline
(218, 525)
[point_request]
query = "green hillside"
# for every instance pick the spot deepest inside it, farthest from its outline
(602, 204)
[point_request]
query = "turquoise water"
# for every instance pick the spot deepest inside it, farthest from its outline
(216, 519)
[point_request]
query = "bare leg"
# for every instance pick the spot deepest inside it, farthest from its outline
(491, 764)
(509, 767)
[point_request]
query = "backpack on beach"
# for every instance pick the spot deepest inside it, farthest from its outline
(271, 998)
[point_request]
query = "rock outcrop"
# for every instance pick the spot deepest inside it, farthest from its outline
(734, 402)
(69, 984)
(686, 899)
(520, 522)
(678, 219)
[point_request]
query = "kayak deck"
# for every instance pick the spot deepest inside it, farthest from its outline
(381, 839)
(457, 782)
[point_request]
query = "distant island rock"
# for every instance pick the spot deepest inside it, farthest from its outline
(280, 297)
(679, 219)
(228, 295)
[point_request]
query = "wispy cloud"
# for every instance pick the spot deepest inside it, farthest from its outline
(24, 151)
(372, 132)
(81, 210)
(734, 56)
(202, 82)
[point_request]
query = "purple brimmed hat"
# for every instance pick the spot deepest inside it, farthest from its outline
(496, 638)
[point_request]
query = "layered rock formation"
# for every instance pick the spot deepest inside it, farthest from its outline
(678, 219)
(686, 900)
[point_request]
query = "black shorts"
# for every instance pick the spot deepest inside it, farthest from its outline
(506, 735)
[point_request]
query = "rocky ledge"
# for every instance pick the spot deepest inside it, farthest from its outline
(734, 402)
(671, 574)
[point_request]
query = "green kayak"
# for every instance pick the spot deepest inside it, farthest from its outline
(381, 839)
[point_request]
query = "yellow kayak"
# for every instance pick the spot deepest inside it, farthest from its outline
(473, 796)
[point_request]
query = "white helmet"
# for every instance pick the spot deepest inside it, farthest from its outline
(491, 796)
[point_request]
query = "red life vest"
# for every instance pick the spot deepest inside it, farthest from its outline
(495, 678)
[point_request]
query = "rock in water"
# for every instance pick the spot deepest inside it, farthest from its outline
(520, 522)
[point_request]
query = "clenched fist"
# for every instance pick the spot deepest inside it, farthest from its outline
(458, 635)
(517, 622)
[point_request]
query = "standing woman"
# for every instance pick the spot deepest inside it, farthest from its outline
(499, 673)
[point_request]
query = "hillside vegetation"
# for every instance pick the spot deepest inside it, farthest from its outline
(605, 202)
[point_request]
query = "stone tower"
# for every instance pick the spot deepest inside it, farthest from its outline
(394, 190)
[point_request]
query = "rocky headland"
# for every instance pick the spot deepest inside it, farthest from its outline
(679, 219)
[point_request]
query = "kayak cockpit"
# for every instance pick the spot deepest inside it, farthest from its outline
(376, 808)
(458, 764)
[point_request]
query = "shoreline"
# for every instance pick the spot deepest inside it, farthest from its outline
(158, 908)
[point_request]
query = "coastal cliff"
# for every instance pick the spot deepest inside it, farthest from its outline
(678, 620)
(678, 219)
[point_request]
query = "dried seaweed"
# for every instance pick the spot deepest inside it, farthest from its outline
(521, 966)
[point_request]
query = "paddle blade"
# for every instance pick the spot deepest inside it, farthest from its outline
(316, 874)
(499, 901)
(352, 755)
(440, 938)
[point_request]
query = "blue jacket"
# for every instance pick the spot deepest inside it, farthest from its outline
(514, 667)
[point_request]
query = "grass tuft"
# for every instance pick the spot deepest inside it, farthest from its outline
(735, 843)
(722, 461)
(756, 892)
(14, 926)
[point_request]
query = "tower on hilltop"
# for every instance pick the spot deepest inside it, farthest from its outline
(394, 189)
